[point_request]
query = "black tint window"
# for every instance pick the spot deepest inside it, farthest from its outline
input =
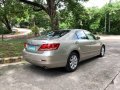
(81, 35)
(52, 34)
(57, 33)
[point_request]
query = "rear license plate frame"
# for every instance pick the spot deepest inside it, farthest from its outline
(31, 48)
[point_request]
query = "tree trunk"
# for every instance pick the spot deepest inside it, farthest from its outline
(50, 9)
(54, 23)
(53, 14)
(7, 24)
(2, 37)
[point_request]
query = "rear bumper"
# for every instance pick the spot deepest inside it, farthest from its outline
(49, 61)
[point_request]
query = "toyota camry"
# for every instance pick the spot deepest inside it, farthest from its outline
(63, 48)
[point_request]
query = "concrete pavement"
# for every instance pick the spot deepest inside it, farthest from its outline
(110, 37)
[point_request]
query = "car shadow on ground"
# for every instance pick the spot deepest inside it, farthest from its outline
(54, 72)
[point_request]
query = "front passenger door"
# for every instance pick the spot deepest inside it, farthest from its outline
(94, 45)
(83, 43)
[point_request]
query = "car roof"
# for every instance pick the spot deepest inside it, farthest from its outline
(71, 30)
(77, 30)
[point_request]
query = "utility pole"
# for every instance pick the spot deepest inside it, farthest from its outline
(105, 23)
(0, 2)
(109, 18)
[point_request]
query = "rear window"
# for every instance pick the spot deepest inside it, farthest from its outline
(53, 34)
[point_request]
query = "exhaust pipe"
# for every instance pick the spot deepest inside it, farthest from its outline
(45, 67)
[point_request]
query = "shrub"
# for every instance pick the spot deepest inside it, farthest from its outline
(3, 30)
(115, 32)
(35, 30)
(24, 24)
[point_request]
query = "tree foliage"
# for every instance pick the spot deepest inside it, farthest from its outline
(10, 11)
(50, 7)
(63, 14)
(92, 19)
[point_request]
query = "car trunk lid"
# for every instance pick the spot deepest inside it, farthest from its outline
(33, 45)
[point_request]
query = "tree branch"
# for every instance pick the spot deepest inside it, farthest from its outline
(57, 3)
(35, 4)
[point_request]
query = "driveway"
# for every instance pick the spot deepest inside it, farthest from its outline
(22, 33)
(94, 74)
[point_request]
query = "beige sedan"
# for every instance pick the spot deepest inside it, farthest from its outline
(63, 48)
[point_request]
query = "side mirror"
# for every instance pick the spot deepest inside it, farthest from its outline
(97, 37)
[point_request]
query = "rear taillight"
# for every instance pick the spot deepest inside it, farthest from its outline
(25, 45)
(48, 47)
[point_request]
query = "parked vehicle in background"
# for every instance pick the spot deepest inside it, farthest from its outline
(63, 48)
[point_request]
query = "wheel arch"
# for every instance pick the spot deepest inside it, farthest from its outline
(77, 52)
(103, 45)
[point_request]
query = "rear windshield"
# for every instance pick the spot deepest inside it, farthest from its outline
(53, 34)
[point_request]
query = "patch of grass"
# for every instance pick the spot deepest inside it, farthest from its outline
(11, 48)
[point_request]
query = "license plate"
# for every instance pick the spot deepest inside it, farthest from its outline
(31, 48)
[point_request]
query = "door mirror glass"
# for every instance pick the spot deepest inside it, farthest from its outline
(97, 37)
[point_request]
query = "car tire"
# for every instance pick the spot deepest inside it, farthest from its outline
(72, 62)
(102, 51)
